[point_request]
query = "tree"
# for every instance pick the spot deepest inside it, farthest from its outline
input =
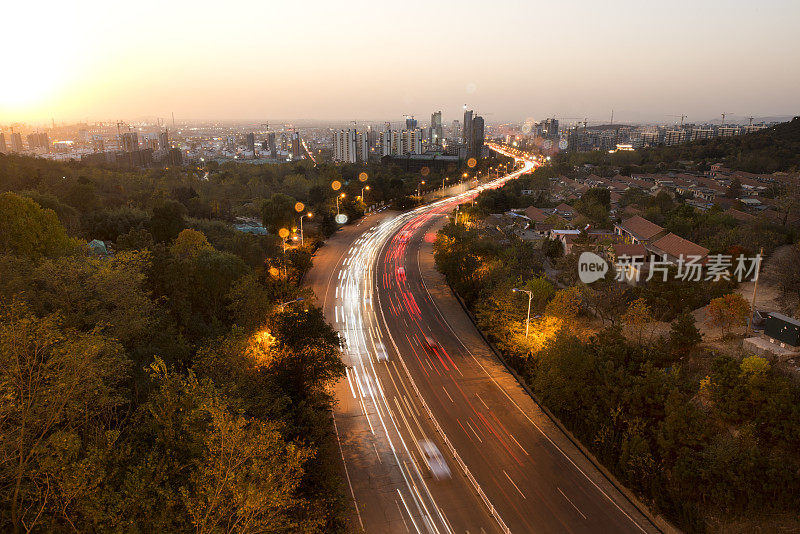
(28, 230)
(609, 299)
(541, 291)
(278, 212)
(566, 304)
(727, 312)
(167, 220)
(734, 189)
(637, 317)
(684, 335)
(59, 386)
(190, 244)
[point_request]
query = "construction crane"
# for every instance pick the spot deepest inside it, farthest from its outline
(723, 118)
(751, 120)
(681, 116)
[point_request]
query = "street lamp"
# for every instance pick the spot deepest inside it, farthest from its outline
(530, 297)
(418, 186)
(337, 202)
(284, 304)
(302, 239)
(365, 188)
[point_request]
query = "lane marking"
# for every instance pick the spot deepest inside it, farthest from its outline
(570, 501)
(517, 488)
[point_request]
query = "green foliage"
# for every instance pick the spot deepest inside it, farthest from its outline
(167, 220)
(278, 212)
(60, 391)
(28, 230)
(683, 334)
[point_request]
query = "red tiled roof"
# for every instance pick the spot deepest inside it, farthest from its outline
(632, 251)
(535, 214)
(565, 208)
(641, 227)
(739, 215)
(676, 246)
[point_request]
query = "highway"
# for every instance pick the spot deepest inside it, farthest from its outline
(418, 374)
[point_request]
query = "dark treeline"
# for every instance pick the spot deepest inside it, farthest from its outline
(766, 151)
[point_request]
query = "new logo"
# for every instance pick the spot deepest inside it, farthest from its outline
(591, 267)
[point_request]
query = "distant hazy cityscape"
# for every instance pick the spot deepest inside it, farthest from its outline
(163, 142)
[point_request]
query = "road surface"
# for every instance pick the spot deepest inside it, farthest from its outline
(419, 372)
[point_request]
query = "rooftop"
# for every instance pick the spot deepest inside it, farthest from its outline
(676, 246)
(641, 227)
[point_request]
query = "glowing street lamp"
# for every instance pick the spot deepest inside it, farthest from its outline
(284, 304)
(418, 186)
(365, 188)
(302, 239)
(530, 297)
(337, 203)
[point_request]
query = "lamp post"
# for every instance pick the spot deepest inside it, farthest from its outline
(302, 238)
(284, 304)
(530, 297)
(418, 186)
(337, 203)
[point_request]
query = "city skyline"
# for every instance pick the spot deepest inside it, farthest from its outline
(511, 62)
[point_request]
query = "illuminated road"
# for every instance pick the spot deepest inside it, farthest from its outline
(418, 371)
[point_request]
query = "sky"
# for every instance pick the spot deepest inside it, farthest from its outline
(378, 60)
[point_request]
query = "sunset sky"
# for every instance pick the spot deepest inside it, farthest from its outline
(372, 60)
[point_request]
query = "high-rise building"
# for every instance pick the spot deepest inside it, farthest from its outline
(456, 130)
(344, 145)
(475, 145)
(273, 149)
(728, 131)
(675, 136)
(437, 132)
(467, 125)
(39, 140)
(98, 145)
(550, 128)
(163, 140)
(412, 141)
(129, 141)
(702, 133)
(386, 143)
(372, 137)
(2, 143)
(411, 123)
(362, 147)
(296, 147)
(250, 143)
(16, 142)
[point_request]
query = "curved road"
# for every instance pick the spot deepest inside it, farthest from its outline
(419, 373)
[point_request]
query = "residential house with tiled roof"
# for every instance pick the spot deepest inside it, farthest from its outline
(671, 247)
(638, 230)
(739, 215)
(565, 210)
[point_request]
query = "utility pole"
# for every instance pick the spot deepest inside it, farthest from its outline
(755, 290)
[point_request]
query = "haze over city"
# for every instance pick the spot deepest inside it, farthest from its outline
(360, 60)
